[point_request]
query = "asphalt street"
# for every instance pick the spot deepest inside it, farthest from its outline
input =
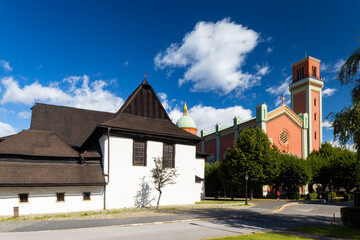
(291, 216)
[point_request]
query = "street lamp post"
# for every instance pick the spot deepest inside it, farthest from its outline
(246, 179)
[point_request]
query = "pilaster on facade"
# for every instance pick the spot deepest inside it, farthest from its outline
(236, 122)
(218, 128)
(203, 133)
(261, 116)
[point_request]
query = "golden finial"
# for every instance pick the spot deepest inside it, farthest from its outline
(185, 110)
(283, 99)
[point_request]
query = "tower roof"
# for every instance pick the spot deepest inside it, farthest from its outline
(186, 121)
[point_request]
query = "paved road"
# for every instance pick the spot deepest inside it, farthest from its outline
(260, 207)
(292, 216)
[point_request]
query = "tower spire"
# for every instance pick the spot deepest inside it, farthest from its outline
(185, 110)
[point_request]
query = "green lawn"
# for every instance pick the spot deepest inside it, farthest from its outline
(338, 231)
(261, 236)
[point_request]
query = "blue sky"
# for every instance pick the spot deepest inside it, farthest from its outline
(221, 57)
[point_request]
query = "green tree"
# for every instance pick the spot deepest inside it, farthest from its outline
(212, 179)
(251, 154)
(294, 172)
(162, 176)
(346, 123)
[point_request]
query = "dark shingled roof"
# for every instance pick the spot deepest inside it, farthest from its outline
(37, 143)
(73, 125)
(144, 102)
(144, 125)
(13, 173)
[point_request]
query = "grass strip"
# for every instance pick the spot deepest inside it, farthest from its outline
(334, 231)
(261, 236)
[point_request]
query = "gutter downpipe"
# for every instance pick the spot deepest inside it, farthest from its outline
(108, 167)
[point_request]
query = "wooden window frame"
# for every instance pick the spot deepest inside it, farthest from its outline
(145, 150)
(27, 197)
(173, 154)
(57, 197)
(84, 196)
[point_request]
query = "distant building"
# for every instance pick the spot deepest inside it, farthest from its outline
(76, 160)
(296, 130)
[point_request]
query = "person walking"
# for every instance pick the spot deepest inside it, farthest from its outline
(278, 195)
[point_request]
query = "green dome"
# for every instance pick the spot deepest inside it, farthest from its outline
(186, 122)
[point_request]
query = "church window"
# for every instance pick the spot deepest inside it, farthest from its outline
(314, 101)
(315, 135)
(315, 116)
(284, 137)
(60, 197)
(139, 153)
(168, 155)
(86, 196)
(314, 72)
(23, 197)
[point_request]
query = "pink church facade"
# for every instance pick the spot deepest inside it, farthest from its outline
(296, 130)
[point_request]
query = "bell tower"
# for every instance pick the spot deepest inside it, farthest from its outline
(306, 97)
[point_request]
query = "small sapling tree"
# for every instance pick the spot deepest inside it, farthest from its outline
(162, 176)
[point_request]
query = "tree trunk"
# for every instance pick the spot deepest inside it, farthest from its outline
(158, 201)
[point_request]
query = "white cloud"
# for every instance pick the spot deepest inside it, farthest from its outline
(278, 91)
(126, 63)
(164, 101)
(262, 71)
(213, 54)
(206, 117)
(5, 65)
(80, 93)
(332, 67)
(6, 129)
(24, 115)
(327, 124)
(269, 49)
(328, 92)
(350, 147)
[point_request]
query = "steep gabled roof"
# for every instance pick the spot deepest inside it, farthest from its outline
(37, 143)
(73, 125)
(144, 102)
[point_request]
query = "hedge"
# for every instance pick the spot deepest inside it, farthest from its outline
(293, 195)
(311, 196)
(350, 216)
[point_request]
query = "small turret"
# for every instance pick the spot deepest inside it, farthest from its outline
(186, 122)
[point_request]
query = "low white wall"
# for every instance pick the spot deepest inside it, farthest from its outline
(125, 179)
(43, 199)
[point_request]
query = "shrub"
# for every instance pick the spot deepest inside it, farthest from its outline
(294, 195)
(350, 216)
(332, 194)
(348, 196)
(311, 196)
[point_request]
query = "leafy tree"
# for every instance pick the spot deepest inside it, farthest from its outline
(162, 176)
(251, 154)
(212, 179)
(341, 165)
(294, 171)
(346, 123)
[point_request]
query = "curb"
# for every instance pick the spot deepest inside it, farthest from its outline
(284, 206)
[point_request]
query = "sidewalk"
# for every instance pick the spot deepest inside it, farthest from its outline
(261, 207)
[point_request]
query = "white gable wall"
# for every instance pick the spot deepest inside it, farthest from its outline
(125, 179)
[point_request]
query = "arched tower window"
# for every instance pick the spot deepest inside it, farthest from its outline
(315, 135)
(315, 116)
(314, 101)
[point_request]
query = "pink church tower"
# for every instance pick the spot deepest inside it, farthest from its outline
(306, 97)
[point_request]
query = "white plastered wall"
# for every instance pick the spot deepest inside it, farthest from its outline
(43, 199)
(125, 179)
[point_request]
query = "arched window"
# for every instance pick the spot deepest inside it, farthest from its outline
(315, 116)
(315, 135)
(314, 101)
